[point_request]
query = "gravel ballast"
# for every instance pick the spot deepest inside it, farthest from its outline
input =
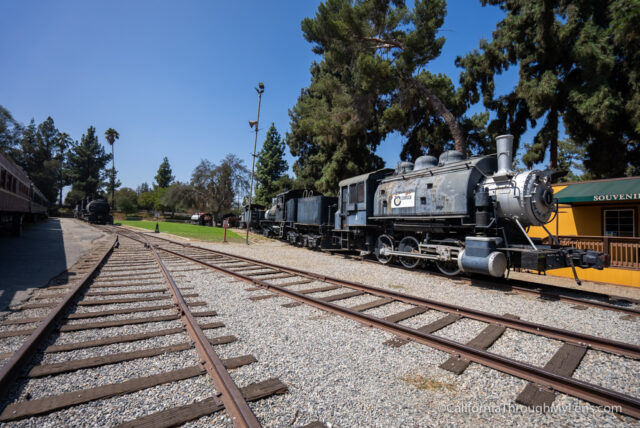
(340, 372)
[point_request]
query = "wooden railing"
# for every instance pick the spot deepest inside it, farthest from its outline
(623, 252)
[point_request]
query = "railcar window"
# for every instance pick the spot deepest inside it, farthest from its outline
(361, 192)
(3, 175)
(619, 222)
(353, 195)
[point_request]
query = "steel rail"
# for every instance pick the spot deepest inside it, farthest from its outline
(524, 287)
(593, 393)
(230, 394)
(603, 344)
(511, 283)
(22, 357)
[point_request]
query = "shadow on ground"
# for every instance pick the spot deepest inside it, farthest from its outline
(30, 260)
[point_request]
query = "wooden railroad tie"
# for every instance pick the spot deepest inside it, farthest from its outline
(428, 329)
(483, 340)
(190, 412)
(48, 404)
(564, 362)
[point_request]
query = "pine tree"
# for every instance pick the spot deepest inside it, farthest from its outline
(570, 161)
(579, 66)
(10, 131)
(270, 167)
(372, 81)
(86, 165)
(163, 177)
(36, 155)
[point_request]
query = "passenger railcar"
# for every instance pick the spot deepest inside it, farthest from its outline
(20, 199)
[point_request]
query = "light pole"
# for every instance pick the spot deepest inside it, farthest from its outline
(259, 90)
(113, 180)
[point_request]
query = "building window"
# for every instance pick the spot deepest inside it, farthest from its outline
(619, 222)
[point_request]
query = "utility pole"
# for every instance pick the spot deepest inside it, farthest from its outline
(259, 90)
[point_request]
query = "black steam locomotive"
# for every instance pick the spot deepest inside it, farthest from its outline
(464, 215)
(95, 211)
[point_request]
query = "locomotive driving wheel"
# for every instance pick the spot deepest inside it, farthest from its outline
(409, 244)
(384, 241)
(449, 268)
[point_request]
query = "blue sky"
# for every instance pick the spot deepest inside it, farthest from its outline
(177, 78)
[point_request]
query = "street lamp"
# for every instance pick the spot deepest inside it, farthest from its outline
(259, 90)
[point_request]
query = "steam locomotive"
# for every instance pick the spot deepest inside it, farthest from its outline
(464, 215)
(95, 211)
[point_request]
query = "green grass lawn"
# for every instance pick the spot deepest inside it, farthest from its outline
(203, 233)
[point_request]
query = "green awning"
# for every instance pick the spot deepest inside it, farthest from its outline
(620, 190)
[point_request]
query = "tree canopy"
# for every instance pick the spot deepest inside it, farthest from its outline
(36, 155)
(578, 64)
(372, 81)
(10, 131)
(215, 186)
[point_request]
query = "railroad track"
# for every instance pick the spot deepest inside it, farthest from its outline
(582, 298)
(82, 332)
(544, 382)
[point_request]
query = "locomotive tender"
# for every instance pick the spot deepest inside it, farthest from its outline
(95, 211)
(299, 217)
(465, 215)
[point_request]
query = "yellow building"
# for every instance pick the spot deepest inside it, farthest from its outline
(601, 215)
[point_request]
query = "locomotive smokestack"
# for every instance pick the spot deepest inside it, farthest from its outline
(504, 145)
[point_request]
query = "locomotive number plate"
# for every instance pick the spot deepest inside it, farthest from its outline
(403, 200)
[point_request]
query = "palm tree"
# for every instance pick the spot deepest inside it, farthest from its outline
(112, 135)
(64, 141)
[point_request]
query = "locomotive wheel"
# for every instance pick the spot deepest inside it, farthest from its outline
(448, 268)
(384, 241)
(409, 244)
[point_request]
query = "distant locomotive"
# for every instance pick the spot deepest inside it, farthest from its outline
(96, 211)
(300, 218)
(252, 218)
(20, 199)
(465, 215)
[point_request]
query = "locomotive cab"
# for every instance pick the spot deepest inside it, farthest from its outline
(355, 206)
